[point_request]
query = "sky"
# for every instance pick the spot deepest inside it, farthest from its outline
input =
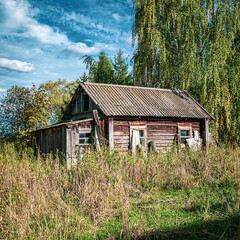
(42, 40)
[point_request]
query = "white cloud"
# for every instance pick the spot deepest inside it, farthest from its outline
(120, 18)
(82, 49)
(19, 21)
(16, 65)
(45, 34)
(128, 40)
(80, 18)
(89, 22)
(117, 17)
(2, 90)
(107, 47)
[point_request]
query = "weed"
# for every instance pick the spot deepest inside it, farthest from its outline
(108, 195)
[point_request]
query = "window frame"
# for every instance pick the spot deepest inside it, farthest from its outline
(138, 128)
(180, 128)
(83, 131)
(78, 105)
(83, 104)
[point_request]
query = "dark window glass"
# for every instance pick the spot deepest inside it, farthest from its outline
(141, 133)
(85, 103)
(84, 138)
(78, 105)
(184, 135)
(141, 137)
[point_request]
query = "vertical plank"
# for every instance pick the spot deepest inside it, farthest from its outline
(96, 137)
(110, 127)
(64, 146)
(103, 127)
(69, 147)
(41, 141)
(206, 132)
(98, 129)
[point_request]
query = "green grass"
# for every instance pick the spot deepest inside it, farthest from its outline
(178, 195)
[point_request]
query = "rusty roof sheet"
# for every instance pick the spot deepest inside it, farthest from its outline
(63, 123)
(120, 100)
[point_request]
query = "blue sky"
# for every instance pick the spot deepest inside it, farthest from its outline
(43, 40)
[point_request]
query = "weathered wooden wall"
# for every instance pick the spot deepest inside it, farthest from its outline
(64, 139)
(205, 131)
(75, 150)
(163, 132)
(121, 135)
(52, 140)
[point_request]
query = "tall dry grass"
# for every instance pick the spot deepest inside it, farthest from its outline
(42, 199)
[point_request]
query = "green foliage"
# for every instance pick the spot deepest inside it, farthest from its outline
(192, 45)
(106, 71)
(10, 107)
(121, 70)
(23, 109)
(59, 93)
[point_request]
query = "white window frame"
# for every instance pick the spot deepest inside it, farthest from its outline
(83, 131)
(138, 128)
(185, 137)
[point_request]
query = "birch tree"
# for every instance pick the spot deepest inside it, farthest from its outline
(191, 45)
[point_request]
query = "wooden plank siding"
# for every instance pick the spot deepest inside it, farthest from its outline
(163, 133)
(121, 135)
(75, 150)
(63, 139)
(52, 140)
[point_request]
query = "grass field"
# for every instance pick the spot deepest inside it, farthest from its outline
(178, 195)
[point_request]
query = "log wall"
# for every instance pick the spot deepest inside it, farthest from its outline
(163, 132)
(121, 135)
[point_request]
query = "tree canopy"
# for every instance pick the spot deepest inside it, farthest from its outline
(192, 45)
(24, 109)
(104, 70)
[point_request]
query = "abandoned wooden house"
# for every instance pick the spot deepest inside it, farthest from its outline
(125, 117)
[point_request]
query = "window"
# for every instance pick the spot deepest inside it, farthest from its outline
(78, 105)
(85, 102)
(138, 136)
(141, 138)
(184, 135)
(84, 138)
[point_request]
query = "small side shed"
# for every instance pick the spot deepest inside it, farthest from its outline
(127, 117)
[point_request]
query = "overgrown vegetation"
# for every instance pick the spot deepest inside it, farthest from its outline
(178, 195)
(192, 45)
(23, 110)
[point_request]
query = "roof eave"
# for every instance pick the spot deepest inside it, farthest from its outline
(210, 116)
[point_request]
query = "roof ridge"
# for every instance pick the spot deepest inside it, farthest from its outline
(129, 86)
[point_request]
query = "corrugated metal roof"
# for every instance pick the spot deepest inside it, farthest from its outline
(63, 123)
(119, 100)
